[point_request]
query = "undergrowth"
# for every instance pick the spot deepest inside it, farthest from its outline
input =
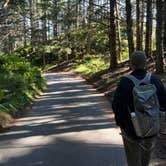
(19, 83)
(91, 65)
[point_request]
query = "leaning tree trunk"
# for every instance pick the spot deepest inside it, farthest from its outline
(159, 38)
(112, 35)
(148, 39)
(129, 27)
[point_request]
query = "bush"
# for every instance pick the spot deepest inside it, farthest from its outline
(19, 83)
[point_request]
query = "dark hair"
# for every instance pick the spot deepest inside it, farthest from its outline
(138, 59)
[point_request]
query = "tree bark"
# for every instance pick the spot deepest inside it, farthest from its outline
(31, 22)
(164, 18)
(159, 38)
(25, 31)
(118, 31)
(54, 17)
(112, 36)
(142, 24)
(44, 26)
(148, 39)
(129, 22)
(138, 25)
(90, 16)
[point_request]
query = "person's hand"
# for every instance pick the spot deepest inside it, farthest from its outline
(162, 116)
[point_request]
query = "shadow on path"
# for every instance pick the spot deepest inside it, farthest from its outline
(69, 153)
(58, 129)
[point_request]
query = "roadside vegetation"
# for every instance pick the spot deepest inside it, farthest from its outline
(19, 83)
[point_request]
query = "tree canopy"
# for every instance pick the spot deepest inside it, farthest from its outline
(61, 30)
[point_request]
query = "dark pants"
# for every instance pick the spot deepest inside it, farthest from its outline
(138, 153)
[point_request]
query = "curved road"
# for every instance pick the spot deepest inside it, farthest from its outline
(69, 125)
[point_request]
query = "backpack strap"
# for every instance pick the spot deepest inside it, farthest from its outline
(133, 79)
(137, 82)
(147, 78)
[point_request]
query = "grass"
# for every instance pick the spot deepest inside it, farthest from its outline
(91, 66)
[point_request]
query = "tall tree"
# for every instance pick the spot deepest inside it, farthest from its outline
(112, 35)
(44, 5)
(142, 24)
(164, 18)
(31, 14)
(138, 24)
(90, 17)
(118, 31)
(148, 39)
(159, 37)
(54, 11)
(129, 22)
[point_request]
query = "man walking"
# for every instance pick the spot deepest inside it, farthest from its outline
(138, 144)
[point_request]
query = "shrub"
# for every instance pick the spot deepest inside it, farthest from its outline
(19, 83)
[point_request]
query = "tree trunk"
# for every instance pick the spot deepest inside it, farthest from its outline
(118, 31)
(138, 25)
(55, 29)
(44, 26)
(90, 16)
(112, 35)
(142, 25)
(164, 18)
(55, 18)
(31, 22)
(77, 17)
(148, 39)
(24, 29)
(159, 38)
(129, 27)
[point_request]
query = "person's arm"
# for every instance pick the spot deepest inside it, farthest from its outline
(162, 97)
(117, 104)
(161, 93)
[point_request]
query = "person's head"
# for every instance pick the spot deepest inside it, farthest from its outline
(138, 60)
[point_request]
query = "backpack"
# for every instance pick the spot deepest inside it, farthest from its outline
(145, 117)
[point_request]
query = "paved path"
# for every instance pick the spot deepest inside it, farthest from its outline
(70, 125)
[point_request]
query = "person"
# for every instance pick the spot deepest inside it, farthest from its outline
(138, 150)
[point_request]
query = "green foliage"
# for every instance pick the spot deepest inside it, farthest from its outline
(71, 46)
(92, 64)
(19, 82)
(64, 47)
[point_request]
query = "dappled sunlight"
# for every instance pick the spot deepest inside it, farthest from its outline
(16, 132)
(70, 97)
(77, 104)
(77, 152)
(69, 81)
(14, 153)
(61, 92)
(72, 123)
(34, 141)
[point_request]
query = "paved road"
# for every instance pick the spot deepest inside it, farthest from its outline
(70, 125)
